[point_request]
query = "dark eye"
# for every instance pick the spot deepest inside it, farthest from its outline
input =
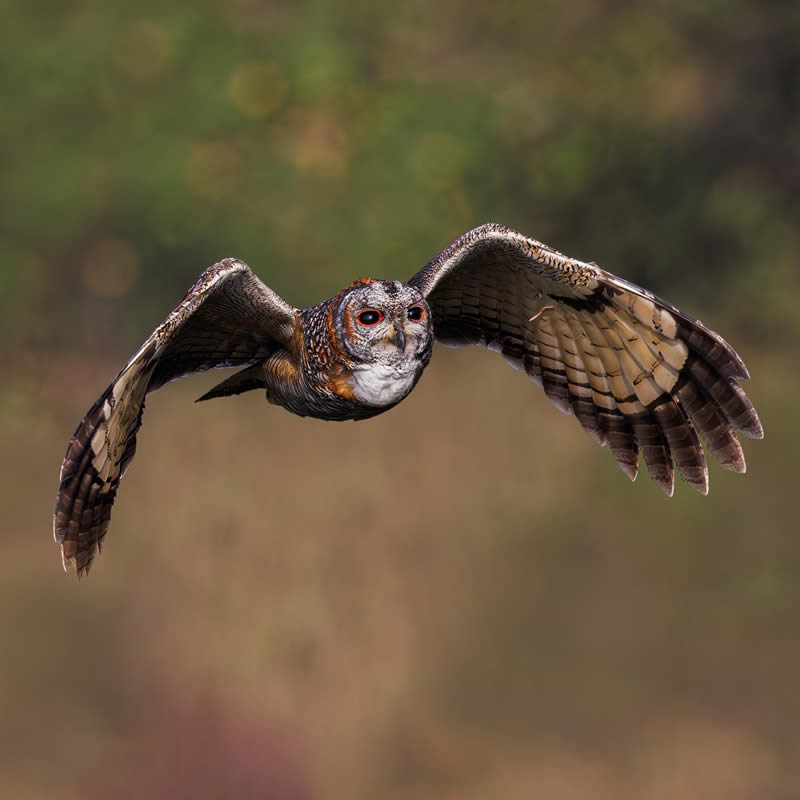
(369, 317)
(416, 313)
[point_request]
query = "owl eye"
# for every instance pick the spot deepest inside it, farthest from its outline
(416, 313)
(369, 317)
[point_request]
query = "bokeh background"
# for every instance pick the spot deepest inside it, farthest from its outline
(464, 598)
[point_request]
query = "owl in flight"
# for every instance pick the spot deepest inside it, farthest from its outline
(639, 375)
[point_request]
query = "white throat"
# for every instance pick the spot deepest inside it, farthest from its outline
(383, 384)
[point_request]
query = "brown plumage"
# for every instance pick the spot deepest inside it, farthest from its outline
(640, 376)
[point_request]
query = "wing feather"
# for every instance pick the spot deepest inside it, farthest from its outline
(578, 383)
(228, 317)
(638, 374)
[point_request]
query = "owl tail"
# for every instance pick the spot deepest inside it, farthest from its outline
(249, 378)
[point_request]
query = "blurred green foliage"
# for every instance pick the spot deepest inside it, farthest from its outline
(271, 617)
(319, 140)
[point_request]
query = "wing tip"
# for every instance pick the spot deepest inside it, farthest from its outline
(663, 476)
(755, 430)
(631, 470)
(739, 370)
(745, 373)
(69, 564)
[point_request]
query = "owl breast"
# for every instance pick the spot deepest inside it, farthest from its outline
(384, 384)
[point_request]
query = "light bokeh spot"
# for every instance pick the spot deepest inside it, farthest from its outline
(315, 143)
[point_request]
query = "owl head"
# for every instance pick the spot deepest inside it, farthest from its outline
(384, 322)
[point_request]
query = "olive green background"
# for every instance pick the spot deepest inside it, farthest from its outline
(464, 598)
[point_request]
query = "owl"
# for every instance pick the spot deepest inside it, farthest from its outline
(638, 375)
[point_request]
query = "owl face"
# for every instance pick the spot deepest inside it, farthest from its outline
(387, 335)
(385, 322)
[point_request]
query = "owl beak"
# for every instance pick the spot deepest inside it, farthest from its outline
(399, 338)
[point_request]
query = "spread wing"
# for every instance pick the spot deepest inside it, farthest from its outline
(637, 373)
(228, 318)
